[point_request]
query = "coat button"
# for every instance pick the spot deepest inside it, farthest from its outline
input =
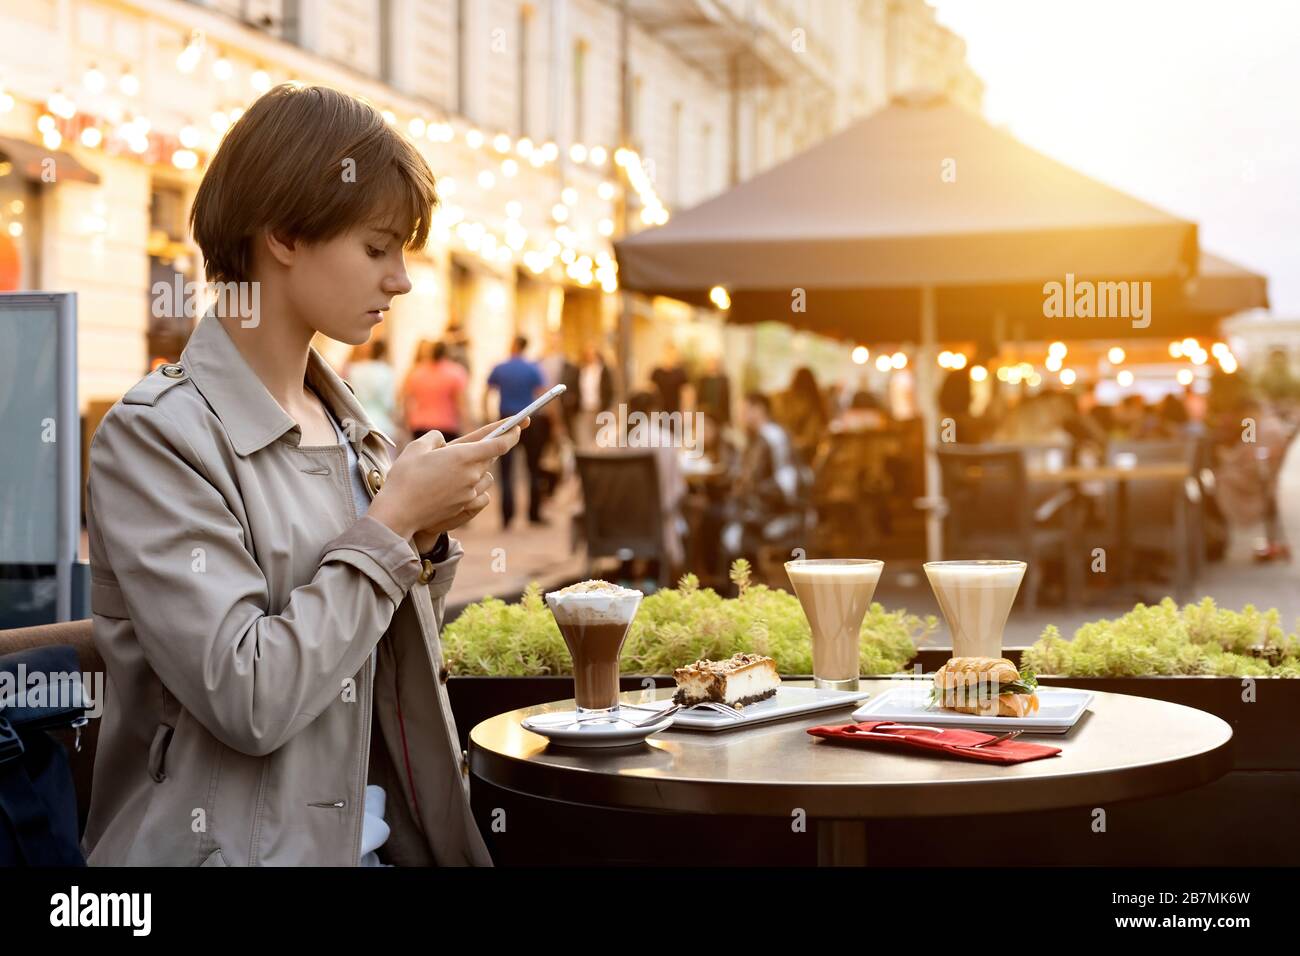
(427, 571)
(374, 480)
(173, 371)
(442, 674)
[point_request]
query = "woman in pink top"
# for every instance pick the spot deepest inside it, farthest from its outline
(434, 394)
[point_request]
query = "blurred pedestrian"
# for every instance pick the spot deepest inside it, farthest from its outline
(517, 381)
(595, 393)
(375, 384)
(434, 395)
(804, 415)
(713, 392)
(670, 380)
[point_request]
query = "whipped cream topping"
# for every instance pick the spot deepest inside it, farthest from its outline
(593, 602)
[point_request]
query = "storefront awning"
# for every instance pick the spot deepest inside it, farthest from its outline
(30, 161)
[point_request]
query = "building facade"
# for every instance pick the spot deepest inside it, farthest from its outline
(552, 126)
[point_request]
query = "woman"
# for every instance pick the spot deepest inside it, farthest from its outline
(434, 394)
(267, 592)
(804, 414)
(374, 384)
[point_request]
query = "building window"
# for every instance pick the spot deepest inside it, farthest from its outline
(579, 91)
(706, 159)
(462, 57)
(634, 115)
(675, 155)
(526, 12)
(387, 40)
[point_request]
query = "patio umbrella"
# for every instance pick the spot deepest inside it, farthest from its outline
(920, 221)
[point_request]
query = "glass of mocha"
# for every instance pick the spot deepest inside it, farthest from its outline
(594, 618)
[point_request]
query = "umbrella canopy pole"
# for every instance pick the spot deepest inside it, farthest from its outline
(928, 407)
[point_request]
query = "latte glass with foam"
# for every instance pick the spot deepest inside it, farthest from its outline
(836, 594)
(976, 599)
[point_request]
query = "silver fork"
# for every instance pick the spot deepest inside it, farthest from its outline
(720, 707)
(1009, 735)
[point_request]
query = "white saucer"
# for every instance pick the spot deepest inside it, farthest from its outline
(560, 728)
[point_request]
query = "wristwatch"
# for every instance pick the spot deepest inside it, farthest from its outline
(439, 551)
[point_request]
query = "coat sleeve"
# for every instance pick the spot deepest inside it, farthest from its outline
(252, 678)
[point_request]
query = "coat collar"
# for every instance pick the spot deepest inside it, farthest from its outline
(251, 417)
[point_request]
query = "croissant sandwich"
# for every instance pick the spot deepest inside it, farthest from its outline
(987, 686)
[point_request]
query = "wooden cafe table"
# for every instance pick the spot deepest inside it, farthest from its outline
(1175, 473)
(1122, 748)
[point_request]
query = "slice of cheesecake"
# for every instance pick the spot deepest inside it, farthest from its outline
(743, 679)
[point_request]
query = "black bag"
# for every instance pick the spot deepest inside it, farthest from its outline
(38, 800)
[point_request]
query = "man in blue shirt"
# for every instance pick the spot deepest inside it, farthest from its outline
(517, 382)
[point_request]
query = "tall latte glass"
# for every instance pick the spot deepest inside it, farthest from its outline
(835, 594)
(976, 599)
(594, 618)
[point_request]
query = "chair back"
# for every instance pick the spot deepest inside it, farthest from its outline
(1150, 505)
(988, 506)
(622, 510)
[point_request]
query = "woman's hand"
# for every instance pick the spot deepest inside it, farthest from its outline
(434, 487)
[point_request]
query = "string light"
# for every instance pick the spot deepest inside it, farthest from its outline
(94, 81)
(978, 373)
(720, 297)
(1116, 355)
(860, 355)
(116, 125)
(193, 52)
(1124, 378)
(883, 364)
(1068, 377)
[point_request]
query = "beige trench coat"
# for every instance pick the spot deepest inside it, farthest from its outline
(236, 601)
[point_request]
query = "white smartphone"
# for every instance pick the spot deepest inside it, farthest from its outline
(514, 420)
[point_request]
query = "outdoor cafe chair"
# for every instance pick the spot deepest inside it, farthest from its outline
(1161, 517)
(989, 513)
(621, 514)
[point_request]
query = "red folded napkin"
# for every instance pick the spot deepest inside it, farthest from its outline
(948, 742)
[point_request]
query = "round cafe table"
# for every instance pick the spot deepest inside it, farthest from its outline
(1122, 748)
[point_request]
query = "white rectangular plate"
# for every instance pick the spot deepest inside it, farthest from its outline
(1059, 708)
(787, 702)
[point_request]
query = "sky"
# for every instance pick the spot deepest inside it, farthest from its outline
(1189, 105)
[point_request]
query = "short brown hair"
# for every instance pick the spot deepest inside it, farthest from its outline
(309, 163)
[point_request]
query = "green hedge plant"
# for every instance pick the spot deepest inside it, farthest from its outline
(1164, 639)
(673, 627)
